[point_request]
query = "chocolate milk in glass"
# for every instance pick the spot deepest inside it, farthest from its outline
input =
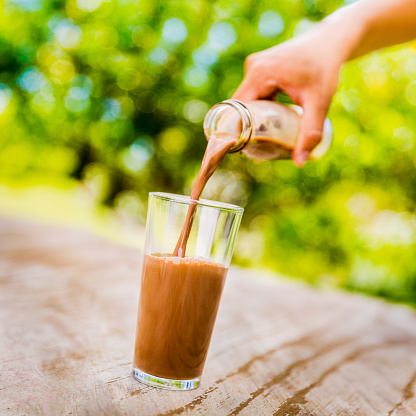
(180, 296)
(179, 300)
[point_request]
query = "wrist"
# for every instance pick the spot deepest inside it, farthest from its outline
(344, 31)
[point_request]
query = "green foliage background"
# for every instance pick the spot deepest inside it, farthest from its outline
(113, 93)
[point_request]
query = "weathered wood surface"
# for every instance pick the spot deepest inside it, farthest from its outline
(68, 304)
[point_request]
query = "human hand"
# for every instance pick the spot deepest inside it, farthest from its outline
(306, 68)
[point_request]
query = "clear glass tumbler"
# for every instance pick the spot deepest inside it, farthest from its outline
(180, 296)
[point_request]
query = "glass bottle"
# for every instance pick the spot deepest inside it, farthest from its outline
(264, 129)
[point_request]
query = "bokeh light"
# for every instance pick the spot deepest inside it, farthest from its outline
(67, 34)
(195, 110)
(174, 31)
(5, 97)
(221, 36)
(138, 154)
(271, 24)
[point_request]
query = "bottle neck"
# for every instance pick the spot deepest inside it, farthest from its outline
(215, 122)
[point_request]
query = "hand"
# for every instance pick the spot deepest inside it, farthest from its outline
(306, 68)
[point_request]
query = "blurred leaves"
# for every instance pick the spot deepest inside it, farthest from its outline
(113, 93)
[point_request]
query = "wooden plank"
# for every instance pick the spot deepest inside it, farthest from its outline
(68, 303)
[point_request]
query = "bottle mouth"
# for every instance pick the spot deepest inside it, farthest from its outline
(224, 113)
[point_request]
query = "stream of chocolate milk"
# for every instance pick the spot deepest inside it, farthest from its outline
(217, 148)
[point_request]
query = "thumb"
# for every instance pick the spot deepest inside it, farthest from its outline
(311, 128)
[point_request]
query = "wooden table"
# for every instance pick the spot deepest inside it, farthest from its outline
(68, 304)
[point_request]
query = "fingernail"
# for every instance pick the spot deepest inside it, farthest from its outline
(302, 158)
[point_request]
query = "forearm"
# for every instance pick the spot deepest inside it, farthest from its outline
(369, 25)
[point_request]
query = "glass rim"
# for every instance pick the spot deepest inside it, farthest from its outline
(183, 199)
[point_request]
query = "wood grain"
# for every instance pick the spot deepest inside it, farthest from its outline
(68, 303)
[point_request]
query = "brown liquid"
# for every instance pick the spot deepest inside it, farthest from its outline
(179, 300)
(267, 148)
(217, 148)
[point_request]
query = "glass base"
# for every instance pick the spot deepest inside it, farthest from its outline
(165, 383)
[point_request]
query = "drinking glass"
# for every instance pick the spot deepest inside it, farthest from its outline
(180, 296)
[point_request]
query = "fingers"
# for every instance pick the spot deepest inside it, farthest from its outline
(260, 80)
(311, 128)
(246, 91)
(256, 86)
